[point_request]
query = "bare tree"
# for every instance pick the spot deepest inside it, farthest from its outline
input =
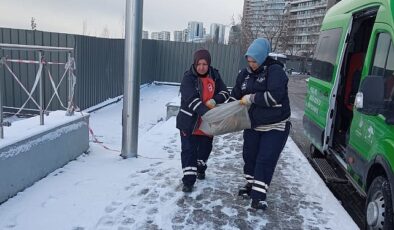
(270, 24)
(248, 34)
(33, 23)
(235, 32)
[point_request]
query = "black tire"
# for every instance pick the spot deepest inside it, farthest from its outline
(379, 206)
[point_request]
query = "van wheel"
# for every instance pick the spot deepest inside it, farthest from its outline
(379, 210)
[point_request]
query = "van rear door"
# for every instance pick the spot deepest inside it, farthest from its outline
(323, 85)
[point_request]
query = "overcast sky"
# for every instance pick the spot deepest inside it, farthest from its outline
(68, 16)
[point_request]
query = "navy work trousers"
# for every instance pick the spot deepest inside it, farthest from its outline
(195, 152)
(261, 152)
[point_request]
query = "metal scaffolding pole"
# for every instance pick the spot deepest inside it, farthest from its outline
(132, 78)
(41, 88)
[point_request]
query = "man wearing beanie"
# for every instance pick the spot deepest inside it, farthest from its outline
(262, 86)
(201, 89)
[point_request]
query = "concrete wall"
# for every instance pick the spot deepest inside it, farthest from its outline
(24, 162)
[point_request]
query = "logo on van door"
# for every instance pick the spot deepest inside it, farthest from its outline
(314, 101)
(370, 132)
(365, 131)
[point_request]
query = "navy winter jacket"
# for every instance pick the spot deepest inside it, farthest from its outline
(192, 106)
(269, 84)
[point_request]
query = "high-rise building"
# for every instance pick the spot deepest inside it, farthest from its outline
(306, 17)
(217, 32)
(163, 35)
(154, 35)
(234, 37)
(184, 35)
(145, 34)
(178, 35)
(195, 31)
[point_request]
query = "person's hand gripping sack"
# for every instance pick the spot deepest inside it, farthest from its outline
(211, 103)
(247, 99)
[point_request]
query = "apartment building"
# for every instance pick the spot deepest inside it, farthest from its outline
(306, 17)
(195, 31)
(145, 34)
(178, 36)
(292, 26)
(217, 33)
(163, 35)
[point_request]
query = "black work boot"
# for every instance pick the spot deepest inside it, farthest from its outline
(259, 204)
(245, 191)
(201, 175)
(187, 188)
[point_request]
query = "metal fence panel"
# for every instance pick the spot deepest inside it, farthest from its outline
(100, 68)
(100, 65)
(174, 58)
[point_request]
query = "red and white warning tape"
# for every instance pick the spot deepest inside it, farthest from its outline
(34, 62)
(95, 140)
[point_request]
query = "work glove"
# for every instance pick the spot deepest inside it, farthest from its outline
(211, 103)
(247, 99)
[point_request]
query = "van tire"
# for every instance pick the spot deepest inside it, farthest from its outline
(378, 208)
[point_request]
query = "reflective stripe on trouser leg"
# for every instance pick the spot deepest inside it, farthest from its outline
(250, 150)
(271, 145)
(260, 187)
(249, 178)
(204, 148)
(188, 158)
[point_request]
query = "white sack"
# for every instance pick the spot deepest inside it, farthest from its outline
(225, 118)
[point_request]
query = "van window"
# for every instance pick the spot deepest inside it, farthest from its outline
(381, 52)
(383, 64)
(326, 54)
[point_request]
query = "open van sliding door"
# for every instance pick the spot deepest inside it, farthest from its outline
(323, 85)
(331, 112)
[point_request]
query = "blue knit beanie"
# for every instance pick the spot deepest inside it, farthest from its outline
(259, 50)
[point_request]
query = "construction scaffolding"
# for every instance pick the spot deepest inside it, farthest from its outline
(43, 64)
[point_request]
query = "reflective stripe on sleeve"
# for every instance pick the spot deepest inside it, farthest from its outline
(191, 103)
(272, 98)
(186, 112)
(197, 105)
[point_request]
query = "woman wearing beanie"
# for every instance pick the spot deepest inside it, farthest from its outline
(262, 85)
(201, 89)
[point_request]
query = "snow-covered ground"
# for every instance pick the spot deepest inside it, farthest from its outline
(100, 190)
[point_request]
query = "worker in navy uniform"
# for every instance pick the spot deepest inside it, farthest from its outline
(262, 85)
(201, 89)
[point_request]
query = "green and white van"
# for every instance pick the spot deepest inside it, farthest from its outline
(349, 106)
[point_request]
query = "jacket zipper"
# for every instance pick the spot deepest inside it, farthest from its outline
(198, 116)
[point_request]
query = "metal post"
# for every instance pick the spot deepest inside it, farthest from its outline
(70, 110)
(41, 89)
(132, 75)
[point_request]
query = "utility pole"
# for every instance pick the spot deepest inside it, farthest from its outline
(132, 78)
